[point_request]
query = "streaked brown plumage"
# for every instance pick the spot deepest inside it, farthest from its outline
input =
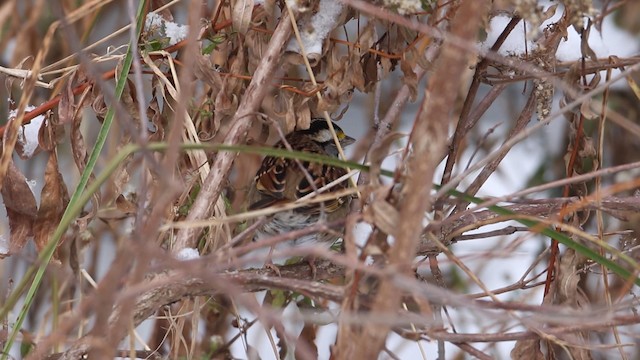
(281, 181)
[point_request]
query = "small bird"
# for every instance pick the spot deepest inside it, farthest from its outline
(282, 181)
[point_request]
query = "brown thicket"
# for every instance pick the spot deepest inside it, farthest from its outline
(197, 106)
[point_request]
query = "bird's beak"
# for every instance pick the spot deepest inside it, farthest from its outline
(347, 140)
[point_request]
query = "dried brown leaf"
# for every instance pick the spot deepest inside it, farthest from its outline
(226, 103)
(66, 107)
(21, 209)
(9, 141)
(585, 48)
(97, 103)
(587, 110)
(528, 349)
(78, 147)
(237, 65)
(385, 216)
(120, 179)
(308, 337)
(155, 116)
(387, 66)
(290, 116)
(303, 120)
(241, 15)
(548, 13)
(51, 133)
(256, 42)
(205, 72)
(410, 78)
(130, 103)
(569, 292)
(345, 72)
(125, 205)
(568, 277)
(369, 64)
(53, 200)
(356, 74)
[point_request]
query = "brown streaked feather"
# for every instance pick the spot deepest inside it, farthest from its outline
(281, 181)
(275, 173)
(271, 177)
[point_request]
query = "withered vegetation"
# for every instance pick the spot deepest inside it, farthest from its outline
(160, 235)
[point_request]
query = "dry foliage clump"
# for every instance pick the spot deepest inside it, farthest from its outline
(132, 137)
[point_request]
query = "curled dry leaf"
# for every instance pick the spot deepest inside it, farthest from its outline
(66, 107)
(156, 127)
(237, 66)
(588, 109)
(130, 103)
(98, 105)
(226, 102)
(345, 72)
(8, 144)
(357, 73)
(120, 178)
(205, 72)
(241, 15)
(290, 115)
(568, 278)
(585, 48)
(294, 108)
(257, 41)
(53, 200)
(410, 78)
(125, 205)
(225, 105)
(21, 209)
(569, 293)
(51, 133)
(308, 337)
(304, 116)
(385, 216)
(528, 349)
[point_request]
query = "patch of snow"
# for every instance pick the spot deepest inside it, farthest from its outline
(320, 25)
(28, 134)
(187, 254)
(152, 21)
(175, 32)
